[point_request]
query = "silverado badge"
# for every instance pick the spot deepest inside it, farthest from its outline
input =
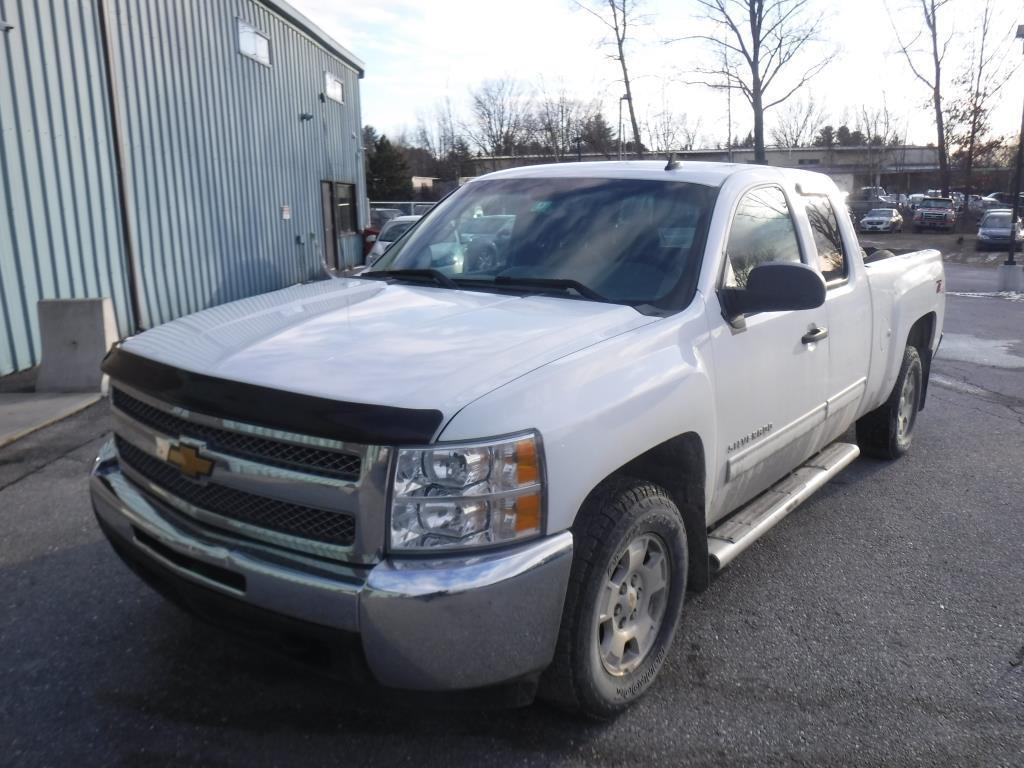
(189, 461)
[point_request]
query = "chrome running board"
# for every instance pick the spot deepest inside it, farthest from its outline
(759, 516)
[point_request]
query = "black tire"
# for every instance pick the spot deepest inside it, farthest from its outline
(617, 514)
(887, 432)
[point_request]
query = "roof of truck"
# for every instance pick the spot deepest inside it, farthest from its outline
(712, 174)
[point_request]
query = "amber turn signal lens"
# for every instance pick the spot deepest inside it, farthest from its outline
(527, 468)
(528, 513)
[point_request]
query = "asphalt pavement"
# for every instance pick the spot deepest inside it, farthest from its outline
(882, 623)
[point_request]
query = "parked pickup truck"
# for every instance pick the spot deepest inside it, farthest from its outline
(504, 461)
(935, 213)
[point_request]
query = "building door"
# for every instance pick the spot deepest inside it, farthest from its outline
(338, 201)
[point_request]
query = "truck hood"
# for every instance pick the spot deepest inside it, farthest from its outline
(366, 341)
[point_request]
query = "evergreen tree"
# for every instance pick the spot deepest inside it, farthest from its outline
(826, 137)
(387, 173)
(598, 136)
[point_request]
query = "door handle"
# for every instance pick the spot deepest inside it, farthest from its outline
(815, 334)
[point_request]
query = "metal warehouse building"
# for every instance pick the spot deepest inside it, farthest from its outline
(169, 154)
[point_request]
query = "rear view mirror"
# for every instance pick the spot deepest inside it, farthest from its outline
(775, 287)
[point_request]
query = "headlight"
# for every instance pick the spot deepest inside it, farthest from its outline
(467, 495)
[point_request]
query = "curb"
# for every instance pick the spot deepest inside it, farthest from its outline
(60, 415)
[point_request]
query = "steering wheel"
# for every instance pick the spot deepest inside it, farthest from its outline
(481, 256)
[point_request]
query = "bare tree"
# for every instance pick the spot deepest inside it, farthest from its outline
(500, 119)
(930, 12)
(798, 124)
(561, 120)
(618, 16)
(667, 130)
(967, 113)
(879, 128)
(437, 133)
(689, 133)
(765, 36)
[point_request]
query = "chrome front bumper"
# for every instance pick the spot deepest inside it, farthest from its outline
(427, 624)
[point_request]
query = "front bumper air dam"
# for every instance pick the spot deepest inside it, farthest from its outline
(427, 624)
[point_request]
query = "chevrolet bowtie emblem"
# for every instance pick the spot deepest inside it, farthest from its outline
(189, 461)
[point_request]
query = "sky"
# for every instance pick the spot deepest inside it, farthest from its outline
(417, 53)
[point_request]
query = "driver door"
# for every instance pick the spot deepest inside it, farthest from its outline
(770, 378)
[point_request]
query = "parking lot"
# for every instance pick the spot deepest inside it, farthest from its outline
(880, 623)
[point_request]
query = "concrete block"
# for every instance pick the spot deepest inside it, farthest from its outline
(1011, 277)
(75, 334)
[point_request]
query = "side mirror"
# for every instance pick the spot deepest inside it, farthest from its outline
(775, 287)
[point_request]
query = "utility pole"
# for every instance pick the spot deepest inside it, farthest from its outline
(1010, 261)
(1011, 274)
(622, 98)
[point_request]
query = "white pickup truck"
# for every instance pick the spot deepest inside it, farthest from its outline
(504, 454)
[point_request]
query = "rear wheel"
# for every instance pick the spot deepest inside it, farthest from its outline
(625, 595)
(886, 432)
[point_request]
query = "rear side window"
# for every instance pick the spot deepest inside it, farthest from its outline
(762, 232)
(827, 240)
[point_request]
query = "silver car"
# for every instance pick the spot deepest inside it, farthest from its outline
(391, 231)
(994, 230)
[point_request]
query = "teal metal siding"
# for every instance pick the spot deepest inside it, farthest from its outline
(59, 221)
(213, 147)
(216, 146)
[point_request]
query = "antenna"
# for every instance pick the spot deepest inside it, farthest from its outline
(672, 163)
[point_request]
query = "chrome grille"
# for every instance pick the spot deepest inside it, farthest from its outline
(300, 458)
(330, 527)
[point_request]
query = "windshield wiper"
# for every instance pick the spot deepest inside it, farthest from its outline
(431, 275)
(553, 283)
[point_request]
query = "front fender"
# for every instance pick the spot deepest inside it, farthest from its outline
(604, 405)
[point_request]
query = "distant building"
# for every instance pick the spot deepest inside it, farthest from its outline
(423, 184)
(897, 168)
(170, 155)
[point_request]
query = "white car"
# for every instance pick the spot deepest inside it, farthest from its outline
(497, 473)
(882, 220)
(390, 232)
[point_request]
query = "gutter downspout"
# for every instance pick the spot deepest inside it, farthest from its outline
(130, 260)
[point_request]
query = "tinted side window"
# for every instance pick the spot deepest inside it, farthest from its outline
(827, 240)
(762, 231)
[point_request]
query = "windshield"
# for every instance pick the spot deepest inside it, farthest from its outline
(1000, 221)
(883, 213)
(394, 230)
(630, 241)
(936, 203)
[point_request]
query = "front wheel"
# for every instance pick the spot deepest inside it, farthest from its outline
(625, 595)
(886, 432)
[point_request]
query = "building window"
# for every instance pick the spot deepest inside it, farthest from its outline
(334, 89)
(809, 161)
(339, 209)
(253, 43)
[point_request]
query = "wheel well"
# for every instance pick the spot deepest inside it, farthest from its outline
(677, 465)
(920, 337)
